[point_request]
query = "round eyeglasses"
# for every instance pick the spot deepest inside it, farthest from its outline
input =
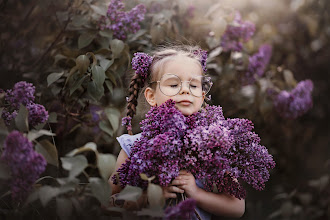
(171, 84)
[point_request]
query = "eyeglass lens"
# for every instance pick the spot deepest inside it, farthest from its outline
(171, 84)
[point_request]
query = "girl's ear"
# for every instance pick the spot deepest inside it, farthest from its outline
(149, 94)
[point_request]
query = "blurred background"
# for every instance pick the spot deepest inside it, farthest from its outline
(40, 38)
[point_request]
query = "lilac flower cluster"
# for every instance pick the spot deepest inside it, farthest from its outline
(120, 22)
(295, 103)
(127, 122)
(203, 58)
(257, 64)
(141, 63)
(23, 93)
(184, 210)
(214, 149)
(236, 33)
(25, 164)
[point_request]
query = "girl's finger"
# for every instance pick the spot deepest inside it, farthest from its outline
(178, 182)
(170, 195)
(175, 189)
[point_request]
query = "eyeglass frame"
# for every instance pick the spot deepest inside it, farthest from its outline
(158, 82)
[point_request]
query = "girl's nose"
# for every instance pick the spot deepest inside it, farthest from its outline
(185, 88)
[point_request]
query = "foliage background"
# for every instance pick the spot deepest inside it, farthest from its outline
(43, 37)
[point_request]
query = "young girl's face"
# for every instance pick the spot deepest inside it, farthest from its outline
(186, 69)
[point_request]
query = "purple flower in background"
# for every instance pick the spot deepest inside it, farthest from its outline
(37, 114)
(22, 93)
(141, 63)
(257, 64)
(184, 210)
(25, 164)
(236, 33)
(120, 22)
(8, 116)
(295, 103)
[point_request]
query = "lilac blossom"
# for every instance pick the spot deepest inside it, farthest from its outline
(203, 58)
(120, 22)
(214, 149)
(25, 164)
(22, 93)
(127, 121)
(236, 33)
(141, 63)
(257, 64)
(37, 114)
(8, 116)
(295, 103)
(184, 210)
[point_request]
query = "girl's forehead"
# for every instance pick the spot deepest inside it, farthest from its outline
(184, 67)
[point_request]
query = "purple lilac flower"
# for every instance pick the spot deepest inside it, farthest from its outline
(141, 63)
(37, 114)
(22, 93)
(203, 58)
(184, 210)
(8, 116)
(295, 103)
(257, 64)
(236, 33)
(25, 164)
(127, 121)
(120, 22)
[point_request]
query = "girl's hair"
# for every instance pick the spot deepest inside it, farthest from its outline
(160, 57)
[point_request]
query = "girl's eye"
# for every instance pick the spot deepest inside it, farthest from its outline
(174, 85)
(193, 86)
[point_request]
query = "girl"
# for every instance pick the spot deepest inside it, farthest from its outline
(176, 74)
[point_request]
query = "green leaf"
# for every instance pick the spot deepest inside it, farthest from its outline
(105, 63)
(90, 146)
(289, 78)
(106, 127)
(46, 193)
(52, 117)
(4, 171)
(77, 83)
(101, 190)
(117, 47)
(98, 75)
(85, 39)
(109, 86)
(75, 165)
(51, 78)
(82, 63)
(130, 193)
(99, 9)
(113, 115)
(49, 151)
(106, 33)
(64, 208)
(155, 195)
(106, 164)
(21, 119)
(95, 91)
(34, 134)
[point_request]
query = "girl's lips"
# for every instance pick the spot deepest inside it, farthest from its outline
(185, 102)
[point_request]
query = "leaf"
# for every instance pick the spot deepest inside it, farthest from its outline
(46, 193)
(130, 193)
(98, 75)
(77, 84)
(35, 134)
(106, 164)
(82, 63)
(106, 33)
(63, 208)
(117, 47)
(75, 165)
(105, 63)
(106, 127)
(144, 176)
(95, 91)
(289, 78)
(101, 190)
(99, 10)
(51, 78)
(49, 151)
(155, 195)
(4, 171)
(85, 39)
(109, 86)
(113, 115)
(21, 119)
(90, 146)
(52, 117)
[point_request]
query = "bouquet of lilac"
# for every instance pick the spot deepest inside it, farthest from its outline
(214, 149)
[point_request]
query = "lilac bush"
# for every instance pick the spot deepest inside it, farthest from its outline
(22, 93)
(295, 103)
(25, 164)
(214, 149)
(236, 33)
(120, 22)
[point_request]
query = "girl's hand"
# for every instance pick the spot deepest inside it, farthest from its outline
(188, 183)
(171, 190)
